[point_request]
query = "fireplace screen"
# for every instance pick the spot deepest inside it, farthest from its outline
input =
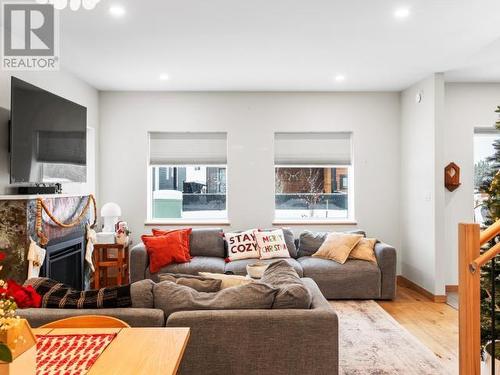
(64, 262)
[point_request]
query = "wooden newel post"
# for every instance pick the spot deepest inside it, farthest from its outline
(469, 300)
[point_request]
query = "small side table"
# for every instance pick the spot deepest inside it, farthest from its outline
(103, 261)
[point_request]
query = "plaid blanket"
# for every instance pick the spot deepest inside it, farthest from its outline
(58, 295)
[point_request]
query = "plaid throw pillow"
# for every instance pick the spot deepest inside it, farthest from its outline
(60, 296)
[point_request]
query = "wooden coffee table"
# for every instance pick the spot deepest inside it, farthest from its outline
(134, 351)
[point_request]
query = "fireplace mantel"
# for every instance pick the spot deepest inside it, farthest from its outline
(36, 196)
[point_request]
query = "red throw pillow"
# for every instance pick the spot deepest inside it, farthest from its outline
(160, 232)
(166, 249)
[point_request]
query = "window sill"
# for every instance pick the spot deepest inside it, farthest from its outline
(314, 222)
(187, 222)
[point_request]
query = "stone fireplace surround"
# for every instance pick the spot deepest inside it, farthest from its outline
(66, 246)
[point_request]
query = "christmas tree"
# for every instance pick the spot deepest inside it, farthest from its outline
(490, 272)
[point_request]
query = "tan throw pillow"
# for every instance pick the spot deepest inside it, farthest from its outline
(364, 250)
(228, 281)
(338, 246)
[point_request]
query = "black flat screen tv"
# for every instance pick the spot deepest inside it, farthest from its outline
(48, 137)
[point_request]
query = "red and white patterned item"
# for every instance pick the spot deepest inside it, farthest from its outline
(272, 244)
(69, 354)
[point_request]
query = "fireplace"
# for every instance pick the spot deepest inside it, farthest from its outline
(64, 262)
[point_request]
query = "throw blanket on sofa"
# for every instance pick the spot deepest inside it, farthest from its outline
(58, 295)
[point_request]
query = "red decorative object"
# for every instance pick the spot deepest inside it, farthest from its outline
(452, 176)
(23, 296)
(69, 354)
(160, 232)
(166, 249)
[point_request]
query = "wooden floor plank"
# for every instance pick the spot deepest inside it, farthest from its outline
(434, 324)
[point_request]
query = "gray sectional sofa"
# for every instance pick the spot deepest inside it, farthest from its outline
(236, 342)
(252, 341)
(356, 279)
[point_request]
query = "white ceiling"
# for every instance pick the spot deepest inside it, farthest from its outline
(281, 44)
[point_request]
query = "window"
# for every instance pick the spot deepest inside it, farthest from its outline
(483, 149)
(313, 176)
(187, 174)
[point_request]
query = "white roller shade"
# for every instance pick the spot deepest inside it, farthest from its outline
(312, 148)
(187, 148)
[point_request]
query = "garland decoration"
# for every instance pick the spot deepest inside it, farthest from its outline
(41, 206)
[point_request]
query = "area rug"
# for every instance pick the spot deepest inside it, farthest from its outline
(373, 343)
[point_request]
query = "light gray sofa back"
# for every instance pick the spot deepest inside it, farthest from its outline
(278, 342)
(207, 242)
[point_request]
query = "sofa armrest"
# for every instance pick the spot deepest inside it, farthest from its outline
(278, 342)
(387, 260)
(138, 262)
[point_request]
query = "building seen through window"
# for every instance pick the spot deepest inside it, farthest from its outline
(194, 192)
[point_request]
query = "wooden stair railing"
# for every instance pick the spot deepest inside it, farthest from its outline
(470, 240)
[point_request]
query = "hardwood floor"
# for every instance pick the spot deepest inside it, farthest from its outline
(434, 324)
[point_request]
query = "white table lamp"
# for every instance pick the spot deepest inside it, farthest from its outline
(110, 212)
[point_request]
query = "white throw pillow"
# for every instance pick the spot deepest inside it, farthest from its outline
(228, 281)
(272, 244)
(241, 245)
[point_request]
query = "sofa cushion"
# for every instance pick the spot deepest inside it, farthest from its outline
(289, 239)
(167, 248)
(272, 244)
(227, 281)
(207, 242)
(292, 293)
(338, 246)
(171, 297)
(197, 264)
(290, 242)
(241, 245)
(355, 279)
(184, 232)
(239, 267)
(364, 250)
(141, 293)
(199, 283)
(134, 317)
(310, 242)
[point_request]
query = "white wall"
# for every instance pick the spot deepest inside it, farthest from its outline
(434, 133)
(467, 105)
(250, 119)
(69, 87)
(422, 194)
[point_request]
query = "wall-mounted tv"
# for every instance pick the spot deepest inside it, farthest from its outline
(48, 137)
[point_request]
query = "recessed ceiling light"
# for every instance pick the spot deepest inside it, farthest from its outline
(401, 13)
(339, 78)
(117, 11)
(164, 76)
